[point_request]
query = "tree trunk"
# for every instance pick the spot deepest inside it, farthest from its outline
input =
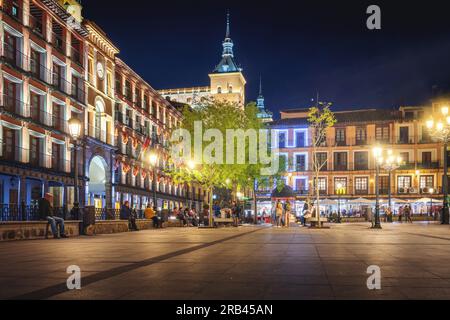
(318, 200)
(210, 211)
(255, 202)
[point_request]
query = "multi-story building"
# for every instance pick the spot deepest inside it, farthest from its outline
(347, 152)
(227, 82)
(55, 66)
(42, 69)
(144, 121)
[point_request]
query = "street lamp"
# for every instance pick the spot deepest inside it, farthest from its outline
(153, 158)
(440, 130)
(75, 132)
(377, 153)
(391, 164)
(431, 191)
(340, 190)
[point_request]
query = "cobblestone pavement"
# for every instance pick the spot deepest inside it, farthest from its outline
(234, 263)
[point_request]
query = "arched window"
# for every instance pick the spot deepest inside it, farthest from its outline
(219, 90)
(230, 89)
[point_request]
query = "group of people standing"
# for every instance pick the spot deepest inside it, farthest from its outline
(282, 214)
(405, 212)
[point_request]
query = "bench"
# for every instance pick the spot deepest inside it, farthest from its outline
(313, 221)
(223, 221)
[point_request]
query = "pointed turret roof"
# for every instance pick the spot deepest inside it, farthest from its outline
(227, 64)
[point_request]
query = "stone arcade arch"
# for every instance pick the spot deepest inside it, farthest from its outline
(99, 185)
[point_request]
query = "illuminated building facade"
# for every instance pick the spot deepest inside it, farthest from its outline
(347, 152)
(42, 69)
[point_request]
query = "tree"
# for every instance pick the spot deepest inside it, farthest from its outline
(320, 118)
(212, 167)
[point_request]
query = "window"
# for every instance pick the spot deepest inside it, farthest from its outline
(58, 78)
(342, 182)
(35, 147)
(404, 135)
(405, 157)
(58, 118)
(382, 133)
(282, 140)
(300, 185)
(118, 84)
(322, 184)
(426, 158)
(35, 106)
(10, 45)
(361, 160)
(361, 135)
(300, 161)
(8, 144)
(300, 139)
(35, 63)
(77, 88)
(321, 160)
(340, 161)
(425, 134)
(56, 156)
(403, 183)
(426, 182)
(219, 90)
(230, 89)
(383, 184)
(340, 136)
(10, 101)
(361, 185)
(128, 90)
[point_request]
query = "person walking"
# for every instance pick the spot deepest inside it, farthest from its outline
(408, 213)
(278, 213)
(400, 213)
(45, 210)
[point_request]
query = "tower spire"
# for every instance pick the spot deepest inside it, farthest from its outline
(260, 86)
(227, 34)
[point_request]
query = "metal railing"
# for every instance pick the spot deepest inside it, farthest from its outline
(34, 159)
(22, 212)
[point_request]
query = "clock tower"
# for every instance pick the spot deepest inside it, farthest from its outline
(227, 79)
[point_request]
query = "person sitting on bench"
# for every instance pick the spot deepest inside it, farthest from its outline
(46, 213)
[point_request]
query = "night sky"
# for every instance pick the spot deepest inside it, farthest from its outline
(299, 47)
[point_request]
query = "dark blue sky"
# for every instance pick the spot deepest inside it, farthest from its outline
(299, 47)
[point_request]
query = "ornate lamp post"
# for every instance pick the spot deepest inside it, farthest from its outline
(340, 190)
(431, 191)
(440, 130)
(377, 152)
(390, 164)
(153, 158)
(75, 132)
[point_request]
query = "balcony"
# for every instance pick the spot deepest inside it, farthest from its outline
(360, 142)
(361, 166)
(97, 133)
(35, 160)
(13, 10)
(13, 105)
(361, 192)
(14, 57)
(36, 24)
(58, 42)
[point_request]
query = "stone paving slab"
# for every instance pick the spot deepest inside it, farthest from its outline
(235, 263)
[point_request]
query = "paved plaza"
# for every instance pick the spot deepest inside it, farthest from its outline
(234, 263)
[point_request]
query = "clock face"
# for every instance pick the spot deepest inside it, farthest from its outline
(100, 70)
